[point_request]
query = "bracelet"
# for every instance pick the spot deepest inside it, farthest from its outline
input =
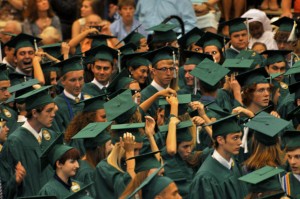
(172, 115)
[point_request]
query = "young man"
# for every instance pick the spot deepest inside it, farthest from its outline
(25, 145)
(238, 37)
(218, 175)
(27, 62)
(72, 78)
(291, 181)
(102, 58)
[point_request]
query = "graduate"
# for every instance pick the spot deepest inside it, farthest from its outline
(291, 181)
(64, 160)
(3, 131)
(97, 145)
(238, 35)
(72, 80)
(26, 144)
(138, 39)
(188, 40)
(218, 175)
(102, 59)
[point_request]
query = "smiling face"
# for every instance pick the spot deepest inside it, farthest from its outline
(140, 74)
(23, 58)
(102, 71)
(73, 82)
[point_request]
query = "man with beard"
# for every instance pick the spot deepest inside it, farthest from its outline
(26, 59)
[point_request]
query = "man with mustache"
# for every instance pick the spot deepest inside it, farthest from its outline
(26, 59)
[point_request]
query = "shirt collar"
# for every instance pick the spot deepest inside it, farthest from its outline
(297, 176)
(157, 86)
(99, 85)
(235, 49)
(70, 96)
(216, 155)
(27, 126)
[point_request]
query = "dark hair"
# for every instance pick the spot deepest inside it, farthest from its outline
(215, 142)
(94, 156)
(126, 3)
(288, 149)
(247, 94)
(98, 7)
(73, 154)
(39, 109)
(208, 88)
(32, 12)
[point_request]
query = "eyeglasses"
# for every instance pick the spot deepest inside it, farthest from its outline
(164, 69)
(133, 92)
(262, 90)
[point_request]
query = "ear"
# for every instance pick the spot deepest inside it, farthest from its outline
(34, 113)
(220, 140)
(130, 69)
(58, 164)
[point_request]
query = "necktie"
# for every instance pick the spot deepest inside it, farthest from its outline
(77, 100)
(39, 139)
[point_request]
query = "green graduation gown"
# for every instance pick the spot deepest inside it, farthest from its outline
(56, 187)
(291, 185)
(178, 170)
(67, 109)
(86, 174)
(230, 53)
(92, 89)
(215, 181)
(146, 93)
(226, 101)
(22, 146)
(109, 182)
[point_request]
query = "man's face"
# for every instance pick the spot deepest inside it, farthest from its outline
(24, 58)
(46, 117)
(279, 67)
(188, 77)
(127, 12)
(163, 73)
(9, 28)
(261, 95)
(73, 82)
(3, 131)
(4, 94)
(294, 160)
(102, 71)
(184, 149)
(239, 40)
(232, 143)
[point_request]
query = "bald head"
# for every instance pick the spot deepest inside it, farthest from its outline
(12, 27)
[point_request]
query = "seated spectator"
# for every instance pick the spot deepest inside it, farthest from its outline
(259, 47)
(50, 35)
(10, 10)
(260, 29)
(39, 15)
(123, 26)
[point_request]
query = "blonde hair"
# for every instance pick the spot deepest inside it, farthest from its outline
(50, 35)
(115, 156)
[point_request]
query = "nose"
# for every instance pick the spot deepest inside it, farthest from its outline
(76, 164)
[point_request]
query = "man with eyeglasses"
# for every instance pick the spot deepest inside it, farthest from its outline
(163, 72)
(285, 38)
(8, 113)
(27, 61)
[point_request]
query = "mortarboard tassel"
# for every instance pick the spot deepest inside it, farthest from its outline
(119, 61)
(0, 53)
(35, 45)
(195, 86)
(174, 64)
(198, 129)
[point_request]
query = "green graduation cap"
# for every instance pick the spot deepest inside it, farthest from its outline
(182, 131)
(112, 86)
(135, 60)
(183, 101)
(294, 70)
(36, 98)
(99, 39)
(123, 82)
(211, 39)
(72, 64)
(209, 72)
(259, 179)
(238, 65)
(255, 76)
(295, 113)
(259, 60)
(295, 88)
(145, 161)
(152, 185)
(163, 33)
(22, 88)
(285, 24)
(266, 127)
(277, 195)
(225, 126)
(3, 72)
(133, 37)
(275, 56)
(190, 37)
(120, 108)
(124, 128)
(195, 57)
(53, 50)
(164, 53)
(128, 49)
(102, 52)
(82, 193)
(235, 25)
(23, 40)
(93, 103)
(47, 67)
(291, 138)
(38, 197)
(94, 134)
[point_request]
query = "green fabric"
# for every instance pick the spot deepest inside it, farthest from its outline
(92, 89)
(93, 104)
(211, 39)
(72, 64)
(3, 72)
(163, 33)
(137, 61)
(291, 139)
(53, 49)
(130, 127)
(57, 152)
(144, 162)
(251, 77)
(23, 40)
(230, 53)
(109, 182)
(133, 37)
(22, 146)
(164, 53)
(102, 52)
(147, 93)
(236, 25)
(294, 186)
(214, 181)
(195, 57)
(123, 83)
(190, 37)
(11, 117)
(275, 56)
(284, 23)
(182, 131)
